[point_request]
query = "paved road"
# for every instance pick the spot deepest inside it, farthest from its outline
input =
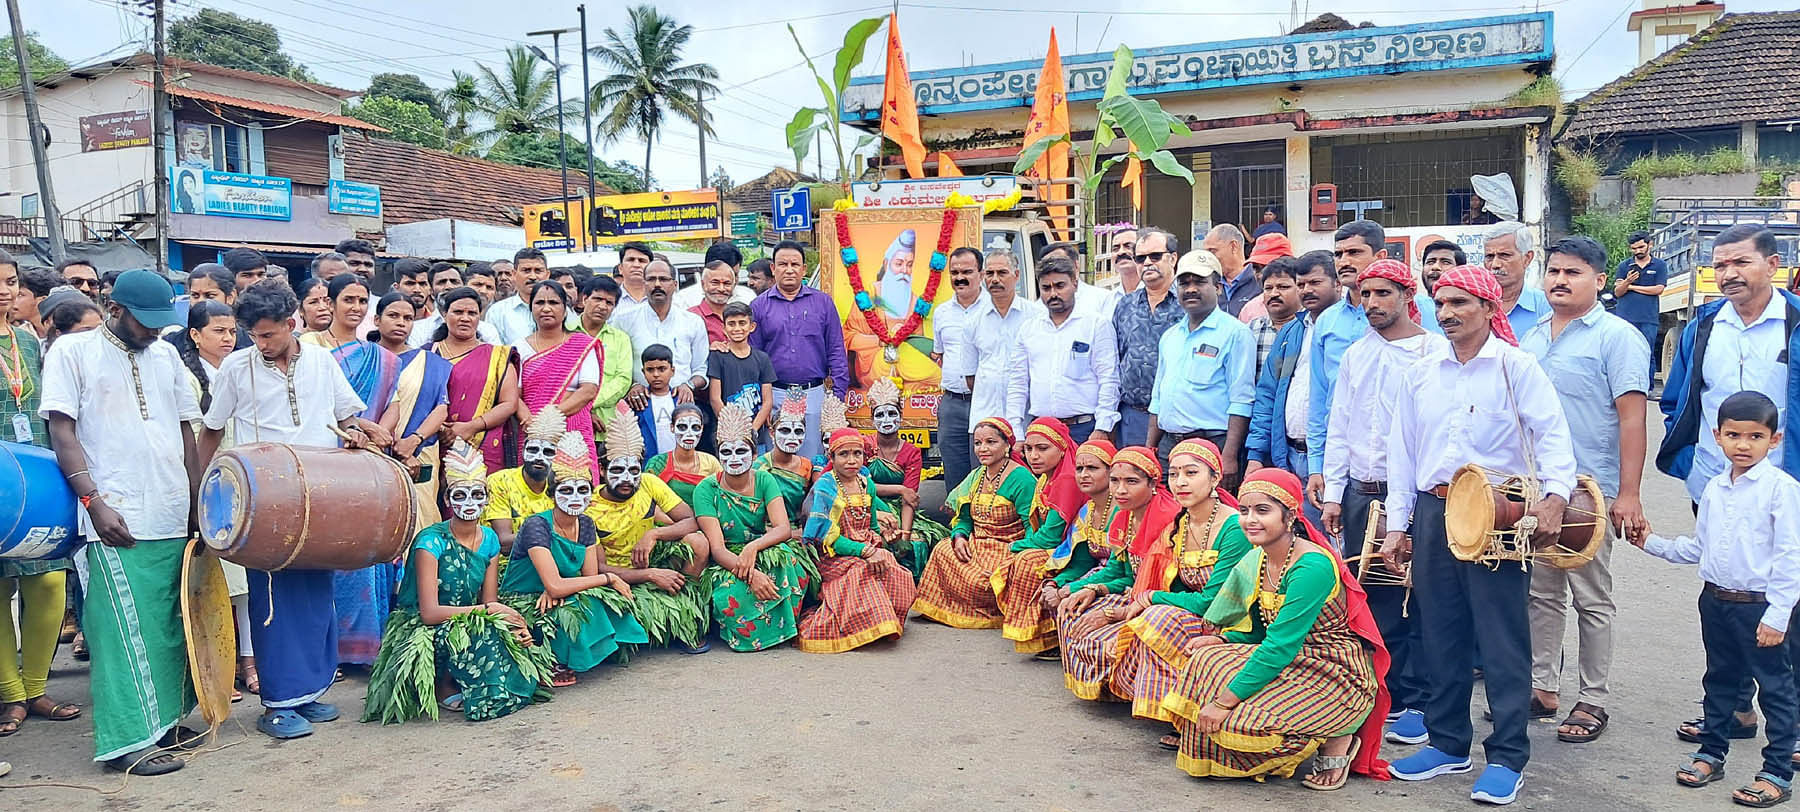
(940, 720)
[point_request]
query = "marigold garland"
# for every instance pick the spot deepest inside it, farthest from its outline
(921, 305)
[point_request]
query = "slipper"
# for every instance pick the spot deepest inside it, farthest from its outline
(1590, 729)
(284, 724)
(79, 650)
(1324, 763)
(183, 738)
(1048, 655)
(1538, 710)
(318, 711)
(236, 696)
(1169, 741)
(1691, 776)
(136, 763)
(452, 703)
(1689, 731)
(701, 648)
(58, 711)
(10, 724)
(562, 677)
(1761, 798)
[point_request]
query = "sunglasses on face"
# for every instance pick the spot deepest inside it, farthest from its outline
(1153, 256)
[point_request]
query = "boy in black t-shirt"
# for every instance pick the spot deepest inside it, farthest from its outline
(741, 374)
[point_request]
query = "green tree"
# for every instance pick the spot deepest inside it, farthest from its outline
(649, 82)
(406, 87)
(520, 98)
(230, 41)
(43, 61)
(407, 121)
(539, 150)
(721, 180)
(459, 101)
(623, 177)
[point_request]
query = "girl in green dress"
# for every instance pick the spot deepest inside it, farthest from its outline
(759, 577)
(450, 643)
(793, 473)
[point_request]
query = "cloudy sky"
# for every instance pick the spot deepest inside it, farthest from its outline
(761, 73)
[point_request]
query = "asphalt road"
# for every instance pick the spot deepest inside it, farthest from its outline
(943, 719)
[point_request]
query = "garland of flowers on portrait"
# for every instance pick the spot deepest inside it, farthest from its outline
(921, 305)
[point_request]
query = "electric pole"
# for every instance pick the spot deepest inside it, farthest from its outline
(562, 151)
(700, 102)
(587, 127)
(159, 134)
(35, 121)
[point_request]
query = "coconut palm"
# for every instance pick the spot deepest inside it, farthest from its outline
(459, 101)
(649, 83)
(521, 98)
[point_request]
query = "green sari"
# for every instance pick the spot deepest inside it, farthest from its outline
(589, 626)
(925, 532)
(495, 673)
(745, 622)
(793, 488)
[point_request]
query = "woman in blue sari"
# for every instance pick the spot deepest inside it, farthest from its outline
(421, 401)
(363, 597)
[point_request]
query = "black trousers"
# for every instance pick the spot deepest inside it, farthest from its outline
(1463, 604)
(1728, 633)
(1398, 620)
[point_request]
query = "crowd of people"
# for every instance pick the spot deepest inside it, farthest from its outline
(1165, 487)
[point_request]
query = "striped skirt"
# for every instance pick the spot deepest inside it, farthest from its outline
(858, 603)
(960, 593)
(1091, 662)
(1154, 648)
(1018, 588)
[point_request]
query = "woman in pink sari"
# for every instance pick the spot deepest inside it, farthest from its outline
(558, 369)
(484, 382)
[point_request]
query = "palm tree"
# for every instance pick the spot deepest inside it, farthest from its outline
(649, 82)
(461, 99)
(519, 99)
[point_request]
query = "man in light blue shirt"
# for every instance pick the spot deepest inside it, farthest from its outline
(1508, 252)
(1599, 365)
(1205, 370)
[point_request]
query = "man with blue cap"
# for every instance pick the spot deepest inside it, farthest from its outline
(118, 404)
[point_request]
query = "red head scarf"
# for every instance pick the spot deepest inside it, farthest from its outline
(843, 438)
(1394, 271)
(1480, 282)
(1098, 449)
(1285, 488)
(1059, 491)
(1149, 539)
(1208, 454)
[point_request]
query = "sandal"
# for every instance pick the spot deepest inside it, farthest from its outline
(1761, 798)
(136, 763)
(247, 675)
(1169, 741)
(452, 703)
(1693, 777)
(1690, 730)
(12, 716)
(1324, 764)
(70, 628)
(562, 677)
(78, 649)
(183, 738)
(1590, 728)
(1538, 710)
(43, 708)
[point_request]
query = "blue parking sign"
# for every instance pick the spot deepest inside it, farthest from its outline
(792, 208)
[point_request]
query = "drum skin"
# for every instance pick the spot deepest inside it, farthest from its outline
(273, 506)
(38, 518)
(1481, 505)
(211, 639)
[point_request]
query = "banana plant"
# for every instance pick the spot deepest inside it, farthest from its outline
(808, 122)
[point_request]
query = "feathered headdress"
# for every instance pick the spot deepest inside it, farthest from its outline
(571, 460)
(793, 406)
(734, 425)
(463, 463)
(832, 415)
(547, 425)
(884, 393)
(624, 440)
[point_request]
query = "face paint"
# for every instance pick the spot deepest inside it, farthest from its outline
(573, 496)
(886, 419)
(687, 431)
(736, 458)
(622, 476)
(790, 435)
(467, 501)
(538, 451)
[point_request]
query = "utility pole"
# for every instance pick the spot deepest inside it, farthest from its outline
(700, 102)
(587, 127)
(159, 135)
(562, 150)
(35, 121)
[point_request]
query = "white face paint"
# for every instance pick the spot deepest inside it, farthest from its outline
(687, 431)
(622, 475)
(886, 419)
(790, 435)
(736, 458)
(537, 451)
(467, 500)
(573, 496)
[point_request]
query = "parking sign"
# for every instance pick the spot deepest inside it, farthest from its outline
(792, 208)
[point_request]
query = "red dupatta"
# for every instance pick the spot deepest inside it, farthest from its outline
(1149, 539)
(1057, 489)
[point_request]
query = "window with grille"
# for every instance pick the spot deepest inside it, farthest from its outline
(1420, 178)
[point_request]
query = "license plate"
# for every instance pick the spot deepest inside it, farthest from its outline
(918, 437)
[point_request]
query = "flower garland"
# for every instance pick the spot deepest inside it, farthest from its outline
(921, 304)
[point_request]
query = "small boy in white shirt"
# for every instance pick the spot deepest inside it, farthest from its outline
(1747, 543)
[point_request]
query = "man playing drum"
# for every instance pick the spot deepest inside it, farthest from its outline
(276, 392)
(1479, 400)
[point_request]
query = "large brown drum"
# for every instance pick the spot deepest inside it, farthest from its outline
(273, 506)
(1483, 508)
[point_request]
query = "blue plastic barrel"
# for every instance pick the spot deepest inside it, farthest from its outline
(37, 508)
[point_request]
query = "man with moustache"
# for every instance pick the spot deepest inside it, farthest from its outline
(1508, 252)
(503, 280)
(658, 321)
(1639, 286)
(803, 337)
(1372, 372)
(1226, 242)
(1205, 371)
(1121, 245)
(953, 349)
(511, 317)
(1597, 362)
(1139, 320)
(1091, 298)
(1278, 419)
(1281, 301)
(725, 289)
(1480, 400)
(759, 275)
(359, 255)
(1064, 365)
(1439, 256)
(994, 337)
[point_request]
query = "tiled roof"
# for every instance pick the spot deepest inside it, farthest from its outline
(265, 107)
(1745, 67)
(427, 184)
(754, 195)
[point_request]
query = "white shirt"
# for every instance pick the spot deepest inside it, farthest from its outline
(1449, 414)
(138, 465)
(662, 413)
(1299, 398)
(1739, 357)
(1362, 407)
(687, 297)
(1746, 537)
(423, 328)
(588, 372)
(951, 336)
(1064, 370)
(683, 332)
(1097, 300)
(252, 395)
(511, 319)
(994, 334)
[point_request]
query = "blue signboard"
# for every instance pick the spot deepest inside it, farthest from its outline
(350, 197)
(230, 194)
(792, 208)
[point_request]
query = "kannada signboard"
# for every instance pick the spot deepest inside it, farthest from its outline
(656, 216)
(745, 223)
(129, 128)
(929, 193)
(350, 197)
(230, 194)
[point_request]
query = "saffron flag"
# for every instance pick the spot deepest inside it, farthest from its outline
(946, 167)
(899, 112)
(1050, 119)
(1134, 180)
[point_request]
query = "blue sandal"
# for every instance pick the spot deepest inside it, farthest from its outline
(318, 711)
(452, 703)
(284, 723)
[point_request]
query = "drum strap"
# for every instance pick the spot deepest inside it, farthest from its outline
(1534, 489)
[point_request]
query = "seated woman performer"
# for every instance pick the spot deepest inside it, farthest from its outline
(864, 593)
(1157, 547)
(896, 467)
(759, 576)
(990, 506)
(1019, 583)
(554, 578)
(1087, 547)
(684, 466)
(1300, 666)
(793, 473)
(450, 588)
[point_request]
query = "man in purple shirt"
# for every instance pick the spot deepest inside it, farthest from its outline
(798, 327)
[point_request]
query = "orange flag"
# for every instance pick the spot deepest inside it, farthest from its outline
(899, 112)
(1049, 119)
(1133, 179)
(946, 167)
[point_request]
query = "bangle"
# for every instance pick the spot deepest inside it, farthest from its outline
(1220, 705)
(71, 477)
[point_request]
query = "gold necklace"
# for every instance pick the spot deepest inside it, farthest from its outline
(1206, 532)
(1262, 576)
(137, 379)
